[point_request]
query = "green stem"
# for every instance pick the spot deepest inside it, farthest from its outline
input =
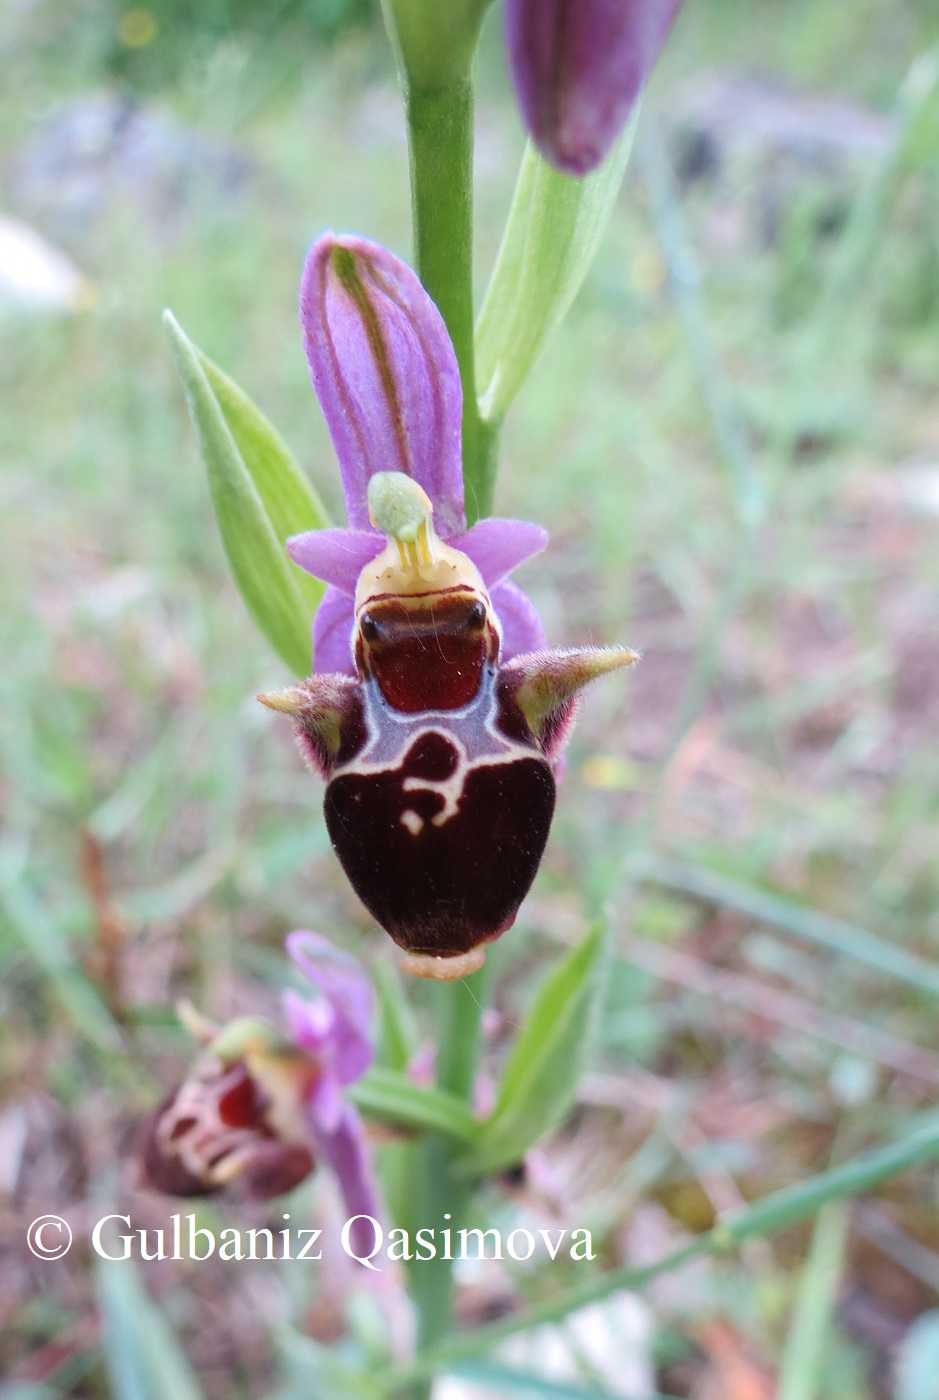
(774, 1213)
(443, 1195)
(440, 140)
(436, 48)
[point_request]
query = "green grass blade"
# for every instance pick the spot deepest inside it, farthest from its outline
(398, 1036)
(504, 1380)
(27, 918)
(144, 1359)
(317, 1372)
(779, 912)
(685, 281)
(268, 582)
(287, 493)
(804, 1355)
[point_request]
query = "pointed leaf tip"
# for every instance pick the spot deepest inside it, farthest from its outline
(539, 1082)
(259, 495)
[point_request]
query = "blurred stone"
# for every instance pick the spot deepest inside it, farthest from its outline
(759, 140)
(35, 276)
(609, 1341)
(104, 154)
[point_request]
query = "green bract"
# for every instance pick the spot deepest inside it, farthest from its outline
(260, 497)
(391, 1097)
(539, 1081)
(553, 231)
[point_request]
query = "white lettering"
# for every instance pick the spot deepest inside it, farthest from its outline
(200, 1233)
(586, 1241)
(424, 1239)
(229, 1244)
(481, 1237)
(362, 1256)
(305, 1251)
(143, 1245)
(399, 1248)
(552, 1249)
(529, 1240)
(99, 1248)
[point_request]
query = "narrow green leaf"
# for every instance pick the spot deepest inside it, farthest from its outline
(28, 919)
(780, 912)
(551, 237)
(144, 1359)
(918, 1360)
(286, 492)
(539, 1081)
(397, 1031)
(804, 1355)
(389, 1096)
(257, 501)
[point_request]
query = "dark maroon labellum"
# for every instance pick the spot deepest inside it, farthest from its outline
(215, 1129)
(439, 767)
(442, 843)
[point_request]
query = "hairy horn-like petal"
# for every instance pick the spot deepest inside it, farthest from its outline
(545, 687)
(579, 66)
(385, 374)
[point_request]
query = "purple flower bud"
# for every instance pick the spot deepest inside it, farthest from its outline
(579, 66)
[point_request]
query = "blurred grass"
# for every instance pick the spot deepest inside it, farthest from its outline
(804, 778)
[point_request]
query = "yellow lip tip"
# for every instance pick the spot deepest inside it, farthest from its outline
(438, 969)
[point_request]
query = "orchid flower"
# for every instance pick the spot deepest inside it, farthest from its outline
(260, 1108)
(579, 67)
(434, 712)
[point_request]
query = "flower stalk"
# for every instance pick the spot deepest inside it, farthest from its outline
(440, 143)
(435, 47)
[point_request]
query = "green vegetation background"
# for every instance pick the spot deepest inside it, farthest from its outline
(159, 835)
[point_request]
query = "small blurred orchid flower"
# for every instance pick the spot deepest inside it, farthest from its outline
(434, 713)
(579, 67)
(258, 1109)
